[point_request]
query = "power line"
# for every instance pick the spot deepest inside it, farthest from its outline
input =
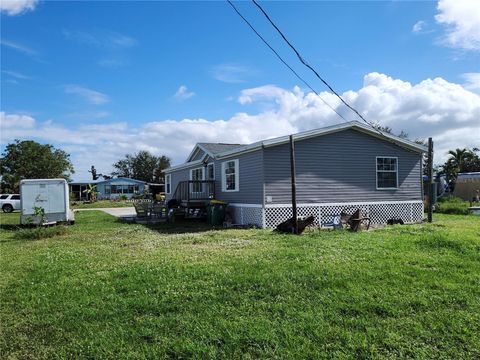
(282, 60)
(302, 60)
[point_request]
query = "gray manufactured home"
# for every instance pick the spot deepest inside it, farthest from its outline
(340, 167)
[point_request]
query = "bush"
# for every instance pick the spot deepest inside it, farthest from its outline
(41, 232)
(123, 197)
(452, 205)
(137, 196)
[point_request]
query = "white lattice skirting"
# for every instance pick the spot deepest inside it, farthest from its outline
(247, 214)
(272, 215)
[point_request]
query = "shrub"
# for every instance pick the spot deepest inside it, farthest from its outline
(452, 205)
(137, 195)
(123, 197)
(37, 233)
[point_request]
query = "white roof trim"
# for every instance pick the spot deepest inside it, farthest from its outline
(186, 165)
(324, 131)
(195, 150)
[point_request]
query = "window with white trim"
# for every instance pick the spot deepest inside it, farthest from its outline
(387, 172)
(196, 175)
(230, 175)
(210, 171)
(168, 183)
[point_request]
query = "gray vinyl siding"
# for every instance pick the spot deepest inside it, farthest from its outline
(340, 167)
(198, 155)
(177, 176)
(251, 179)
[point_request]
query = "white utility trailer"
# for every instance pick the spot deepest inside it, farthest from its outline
(51, 195)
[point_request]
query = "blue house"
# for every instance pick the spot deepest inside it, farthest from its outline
(108, 189)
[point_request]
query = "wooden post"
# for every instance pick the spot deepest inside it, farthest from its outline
(430, 179)
(294, 186)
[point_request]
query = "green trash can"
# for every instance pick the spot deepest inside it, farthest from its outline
(209, 209)
(216, 211)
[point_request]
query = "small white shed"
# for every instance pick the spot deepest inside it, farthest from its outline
(49, 194)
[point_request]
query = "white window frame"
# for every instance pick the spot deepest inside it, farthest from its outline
(168, 183)
(237, 176)
(191, 178)
(206, 170)
(376, 172)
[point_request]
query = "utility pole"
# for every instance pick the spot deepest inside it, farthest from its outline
(294, 186)
(430, 179)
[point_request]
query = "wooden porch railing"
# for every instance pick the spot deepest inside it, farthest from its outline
(194, 190)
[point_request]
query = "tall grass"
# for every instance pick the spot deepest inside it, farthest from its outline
(452, 205)
(40, 232)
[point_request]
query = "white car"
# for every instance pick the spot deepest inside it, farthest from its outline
(10, 202)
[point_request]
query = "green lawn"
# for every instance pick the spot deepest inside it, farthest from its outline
(103, 204)
(112, 290)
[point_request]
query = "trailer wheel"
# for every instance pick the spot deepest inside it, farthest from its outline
(7, 208)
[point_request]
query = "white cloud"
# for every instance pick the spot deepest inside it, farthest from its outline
(472, 81)
(16, 74)
(462, 21)
(19, 121)
(434, 107)
(106, 39)
(86, 115)
(183, 93)
(16, 7)
(419, 26)
(231, 73)
(18, 47)
(92, 96)
(11, 81)
(113, 63)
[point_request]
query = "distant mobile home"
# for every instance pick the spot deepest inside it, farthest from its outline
(108, 189)
(344, 166)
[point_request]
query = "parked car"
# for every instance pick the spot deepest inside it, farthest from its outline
(10, 202)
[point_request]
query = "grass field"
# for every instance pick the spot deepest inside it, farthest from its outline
(103, 204)
(111, 290)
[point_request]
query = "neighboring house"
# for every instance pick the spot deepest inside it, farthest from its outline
(108, 189)
(340, 167)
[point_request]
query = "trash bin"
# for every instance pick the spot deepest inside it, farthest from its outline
(216, 211)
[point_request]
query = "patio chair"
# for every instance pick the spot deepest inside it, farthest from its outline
(355, 220)
(159, 210)
(141, 209)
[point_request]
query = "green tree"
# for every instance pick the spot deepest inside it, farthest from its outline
(163, 163)
(142, 166)
(460, 160)
(30, 160)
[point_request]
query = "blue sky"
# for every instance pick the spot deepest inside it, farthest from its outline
(122, 72)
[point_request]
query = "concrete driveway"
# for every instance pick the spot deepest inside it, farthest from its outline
(118, 212)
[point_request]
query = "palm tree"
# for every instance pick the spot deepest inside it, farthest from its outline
(458, 161)
(92, 192)
(459, 158)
